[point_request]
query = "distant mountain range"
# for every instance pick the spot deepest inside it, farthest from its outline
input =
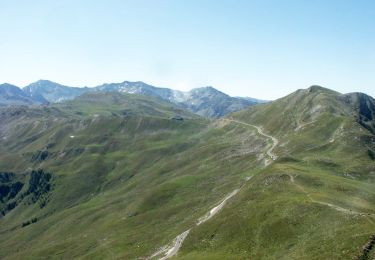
(205, 101)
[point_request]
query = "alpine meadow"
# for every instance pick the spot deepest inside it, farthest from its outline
(277, 162)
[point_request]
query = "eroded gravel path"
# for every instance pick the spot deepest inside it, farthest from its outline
(216, 209)
(172, 249)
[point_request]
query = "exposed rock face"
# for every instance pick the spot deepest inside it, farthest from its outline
(364, 106)
(12, 192)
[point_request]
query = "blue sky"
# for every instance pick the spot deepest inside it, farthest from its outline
(264, 49)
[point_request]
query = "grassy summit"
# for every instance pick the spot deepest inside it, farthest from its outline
(317, 200)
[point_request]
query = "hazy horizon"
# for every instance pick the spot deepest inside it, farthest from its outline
(260, 49)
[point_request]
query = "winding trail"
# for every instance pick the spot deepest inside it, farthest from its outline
(302, 125)
(171, 249)
(274, 140)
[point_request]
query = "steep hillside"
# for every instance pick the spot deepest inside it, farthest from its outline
(133, 177)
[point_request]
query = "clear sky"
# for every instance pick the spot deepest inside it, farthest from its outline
(264, 49)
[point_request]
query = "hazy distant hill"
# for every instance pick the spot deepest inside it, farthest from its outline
(12, 95)
(206, 101)
(48, 91)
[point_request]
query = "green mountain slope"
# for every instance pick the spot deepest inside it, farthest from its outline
(126, 174)
(121, 176)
